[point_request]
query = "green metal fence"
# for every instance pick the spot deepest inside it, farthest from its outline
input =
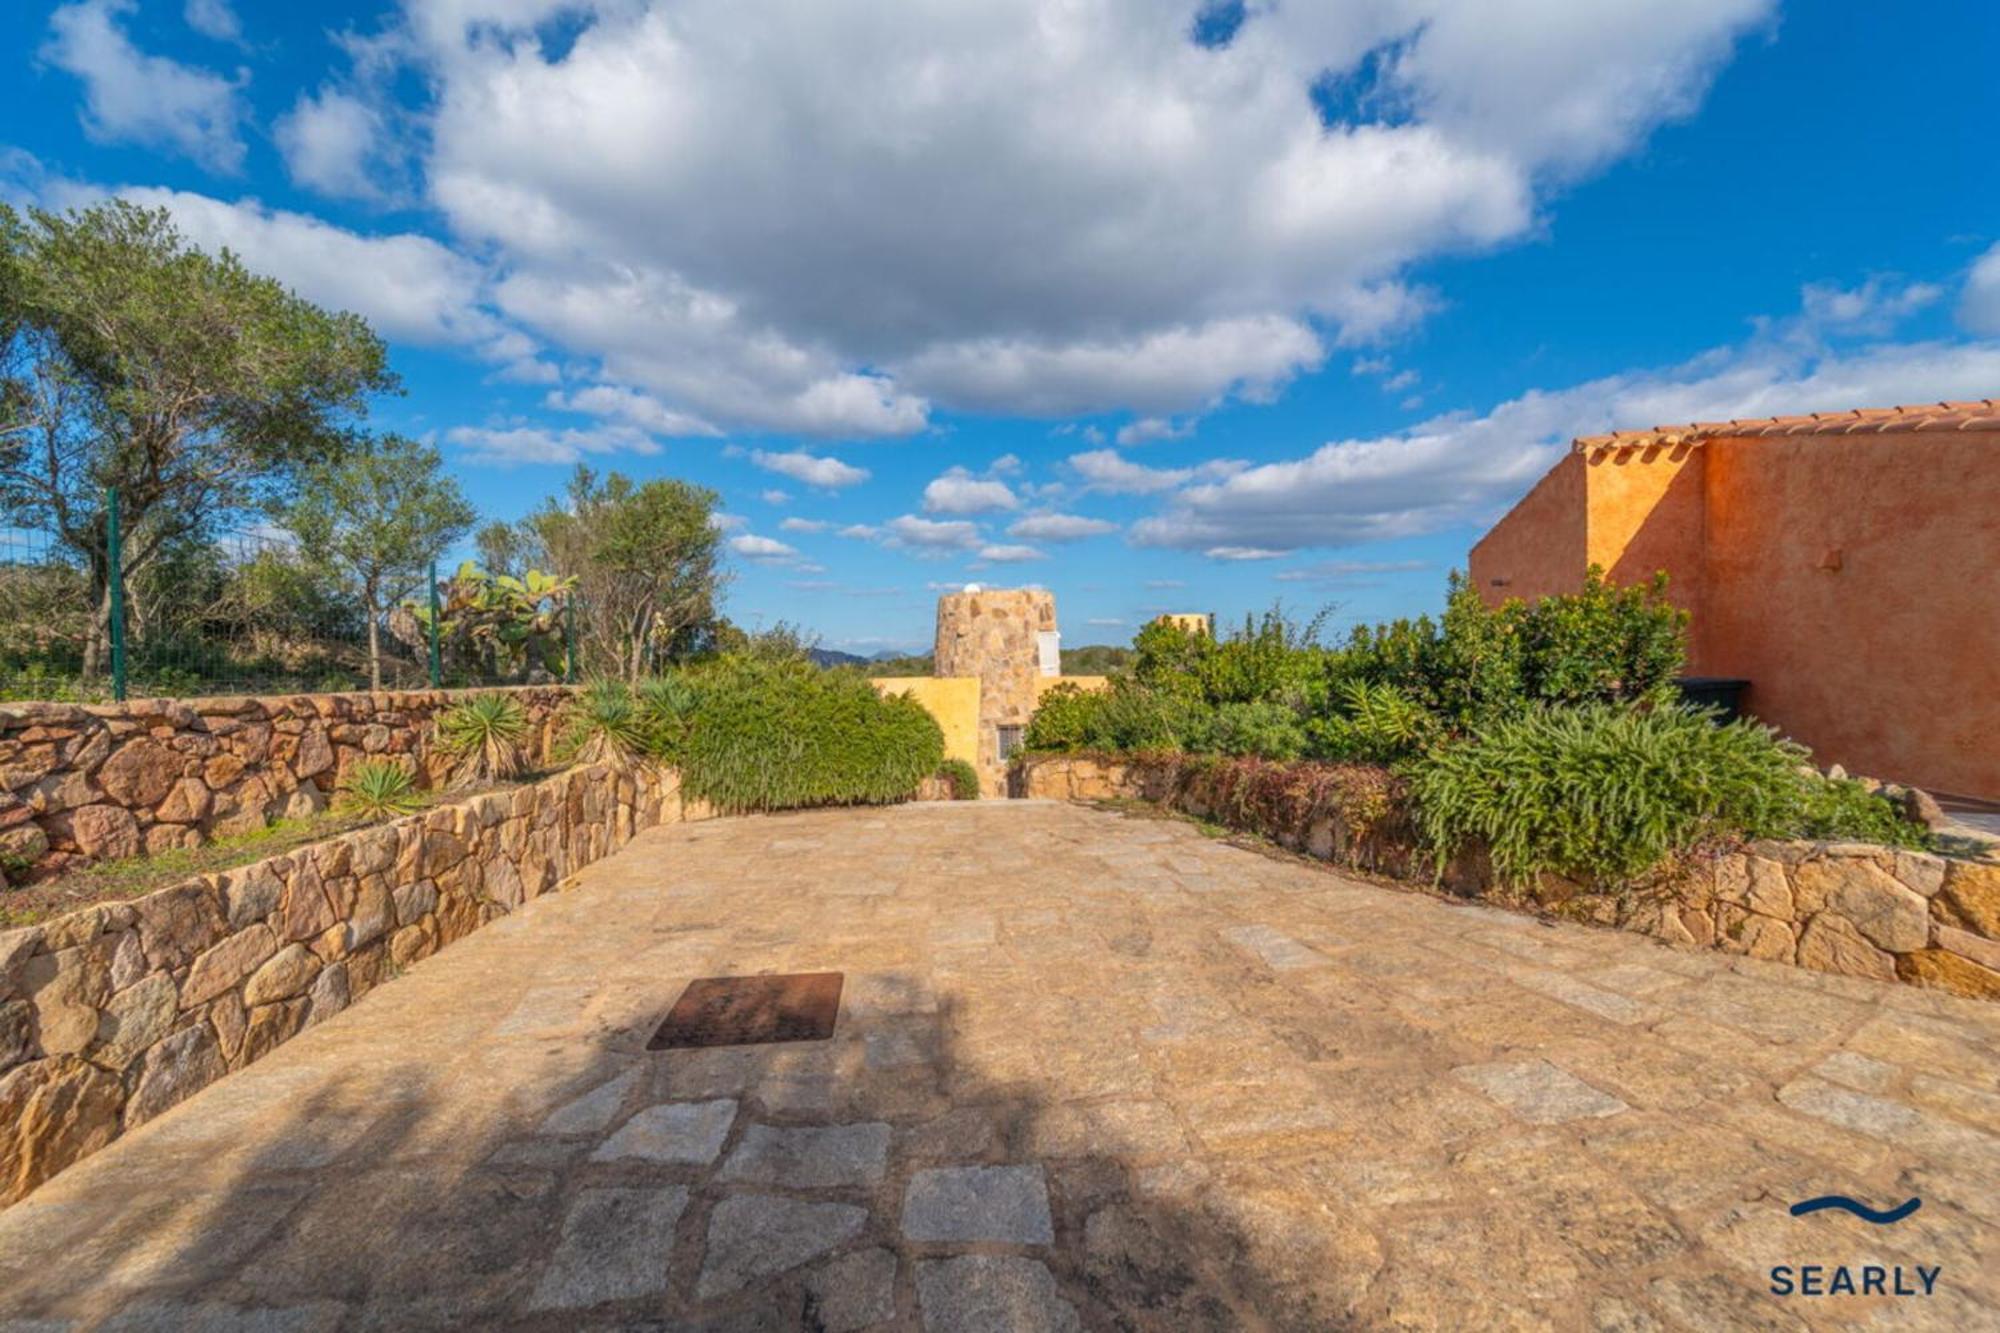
(246, 611)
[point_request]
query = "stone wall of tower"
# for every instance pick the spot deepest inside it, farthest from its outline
(993, 635)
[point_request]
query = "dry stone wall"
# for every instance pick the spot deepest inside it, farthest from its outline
(1850, 908)
(85, 782)
(113, 1014)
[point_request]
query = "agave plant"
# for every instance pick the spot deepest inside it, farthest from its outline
(379, 789)
(483, 735)
(604, 725)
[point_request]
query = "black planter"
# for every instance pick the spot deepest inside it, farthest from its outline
(1723, 693)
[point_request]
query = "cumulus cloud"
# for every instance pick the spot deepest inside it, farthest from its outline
(959, 492)
(1107, 470)
(803, 525)
(1148, 429)
(1875, 306)
(537, 444)
(1979, 306)
(632, 407)
(811, 469)
(1465, 468)
(831, 215)
(135, 97)
(764, 550)
(774, 496)
(931, 535)
(1009, 555)
(1359, 573)
(1059, 527)
(330, 140)
(213, 18)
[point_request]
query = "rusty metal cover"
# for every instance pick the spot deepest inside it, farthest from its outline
(749, 1011)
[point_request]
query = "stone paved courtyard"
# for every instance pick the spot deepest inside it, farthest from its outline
(1091, 1071)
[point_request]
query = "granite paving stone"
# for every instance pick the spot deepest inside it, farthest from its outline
(1091, 1070)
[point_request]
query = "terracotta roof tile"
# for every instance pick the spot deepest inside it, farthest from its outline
(1976, 414)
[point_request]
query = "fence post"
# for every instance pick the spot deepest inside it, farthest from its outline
(437, 655)
(114, 552)
(569, 638)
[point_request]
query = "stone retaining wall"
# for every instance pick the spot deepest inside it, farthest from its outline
(83, 782)
(113, 1014)
(1850, 908)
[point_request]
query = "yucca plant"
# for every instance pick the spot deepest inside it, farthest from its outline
(604, 725)
(483, 736)
(378, 789)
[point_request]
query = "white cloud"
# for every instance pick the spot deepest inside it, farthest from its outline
(803, 525)
(1979, 306)
(959, 492)
(632, 407)
(1010, 555)
(1006, 465)
(1462, 468)
(928, 534)
(812, 470)
(1106, 470)
(145, 99)
(761, 549)
(1876, 306)
(1105, 622)
(1059, 527)
(828, 215)
(1148, 429)
(722, 522)
(330, 140)
(213, 18)
(1241, 553)
(774, 496)
(536, 444)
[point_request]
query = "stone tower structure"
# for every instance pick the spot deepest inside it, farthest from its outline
(1007, 639)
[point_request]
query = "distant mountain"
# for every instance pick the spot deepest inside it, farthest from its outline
(829, 657)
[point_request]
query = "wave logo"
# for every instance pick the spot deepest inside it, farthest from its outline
(1863, 1279)
(1879, 1217)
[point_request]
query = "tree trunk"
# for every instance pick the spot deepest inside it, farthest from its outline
(374, 639)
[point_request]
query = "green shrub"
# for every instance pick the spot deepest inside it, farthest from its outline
(604, 725)
(963, 777)
(1845, 811)
(378, 789)
(1261, 727)
(666, 711)
(1376, 724)
(1065, 719)
(1603, 793)
(781, 734)
(483, 735)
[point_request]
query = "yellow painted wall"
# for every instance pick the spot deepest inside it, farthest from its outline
(1191, 622)
(952, 700)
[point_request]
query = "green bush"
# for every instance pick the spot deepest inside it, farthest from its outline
(665, 713)
(781, 734)
(1843, 810)
(1376, 724)
(1603, 793)
(963, 777)
(1260, 727)
(483, 734)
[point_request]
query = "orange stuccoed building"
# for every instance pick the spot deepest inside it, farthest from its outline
(1847, 565)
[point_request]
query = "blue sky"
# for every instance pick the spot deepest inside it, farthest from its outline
(1156, 308)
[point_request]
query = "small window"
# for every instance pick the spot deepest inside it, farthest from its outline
(1010, 741)
(1048, 652)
